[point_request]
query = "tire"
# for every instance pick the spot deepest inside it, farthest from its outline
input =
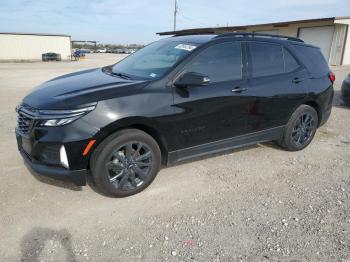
(125, 163)
(300, 129)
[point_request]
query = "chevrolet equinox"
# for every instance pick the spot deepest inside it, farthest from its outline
(177, 98)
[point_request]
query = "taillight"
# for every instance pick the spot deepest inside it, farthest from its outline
(331, 76)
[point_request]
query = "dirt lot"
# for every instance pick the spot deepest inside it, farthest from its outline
(254, 204)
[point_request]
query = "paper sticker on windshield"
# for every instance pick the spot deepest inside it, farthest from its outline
(186, 47)
(153, 75)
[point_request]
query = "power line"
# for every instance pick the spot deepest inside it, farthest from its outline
(177, 13)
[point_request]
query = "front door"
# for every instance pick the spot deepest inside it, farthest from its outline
(218, 110)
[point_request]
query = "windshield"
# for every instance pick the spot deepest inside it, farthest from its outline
(154, 60)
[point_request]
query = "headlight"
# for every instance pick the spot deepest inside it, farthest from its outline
(57, 122)
(63, 117)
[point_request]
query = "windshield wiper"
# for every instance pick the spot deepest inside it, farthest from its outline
(109, 70)
(121, 75)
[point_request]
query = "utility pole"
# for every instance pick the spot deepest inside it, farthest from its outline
(175, 14)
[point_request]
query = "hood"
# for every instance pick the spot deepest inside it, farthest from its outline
(73, 90)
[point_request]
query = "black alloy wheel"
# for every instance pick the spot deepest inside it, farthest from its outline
(125, 163)
(303, 130)
(300, 129)
(129, 166)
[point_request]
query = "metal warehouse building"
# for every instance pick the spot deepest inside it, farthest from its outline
(330, 34)
(30, 47)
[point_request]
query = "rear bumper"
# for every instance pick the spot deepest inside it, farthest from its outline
(325, 116)
(78, 177)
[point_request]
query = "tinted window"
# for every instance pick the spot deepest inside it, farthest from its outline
(267, 59)
(290, 63)
(220, 62)
(313, 59)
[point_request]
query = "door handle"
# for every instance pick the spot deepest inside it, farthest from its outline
(297, 80)
(238, 89)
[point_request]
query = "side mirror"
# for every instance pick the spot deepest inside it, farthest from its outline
(192, 79)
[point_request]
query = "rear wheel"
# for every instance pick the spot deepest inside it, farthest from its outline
(300, 129)
(125, 163)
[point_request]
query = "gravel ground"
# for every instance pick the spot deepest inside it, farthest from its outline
(258, 203)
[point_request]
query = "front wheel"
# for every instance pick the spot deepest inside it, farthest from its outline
(125, 163)
(300, 129)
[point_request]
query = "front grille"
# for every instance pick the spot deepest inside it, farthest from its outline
(26, 117)
(24, 123)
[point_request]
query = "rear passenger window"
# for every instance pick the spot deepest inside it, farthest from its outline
(220, 62)
(267, 59)
(290, 63)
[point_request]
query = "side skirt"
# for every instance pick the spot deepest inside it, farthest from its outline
(225, 144)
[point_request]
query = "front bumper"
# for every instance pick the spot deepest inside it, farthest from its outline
(78, 177)
(43, 161)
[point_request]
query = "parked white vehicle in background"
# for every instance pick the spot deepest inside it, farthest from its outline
(101, 50)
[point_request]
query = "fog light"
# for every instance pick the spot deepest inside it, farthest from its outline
(63, 157)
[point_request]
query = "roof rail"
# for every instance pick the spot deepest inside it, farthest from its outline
(195, 33)
(243, 34)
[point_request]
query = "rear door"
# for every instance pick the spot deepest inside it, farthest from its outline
(277, 83)
(212, 112)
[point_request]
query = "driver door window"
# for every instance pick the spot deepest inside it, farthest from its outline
(221, 62)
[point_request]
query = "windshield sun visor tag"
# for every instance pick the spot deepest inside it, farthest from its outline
(185, 47)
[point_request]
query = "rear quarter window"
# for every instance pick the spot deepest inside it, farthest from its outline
(313, 59)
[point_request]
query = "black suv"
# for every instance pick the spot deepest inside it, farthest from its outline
(177, 98)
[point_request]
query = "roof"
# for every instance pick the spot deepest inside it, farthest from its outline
(37, 34)
(212, 30)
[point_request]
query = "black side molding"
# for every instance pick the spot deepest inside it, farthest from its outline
(229, 143)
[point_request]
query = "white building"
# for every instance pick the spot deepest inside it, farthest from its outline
(330, 34)
(30, 47)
